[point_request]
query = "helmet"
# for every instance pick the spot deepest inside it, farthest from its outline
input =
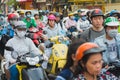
(51, 17)
(27, 12)
(87, 48)
(71, 14)
(57, 14)
(12, 16)
(20, 24)
(111, 21)
(113, 12)
(22, 12)
(96, 12)
(79, 11)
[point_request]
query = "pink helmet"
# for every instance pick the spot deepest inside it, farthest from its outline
(51, 17)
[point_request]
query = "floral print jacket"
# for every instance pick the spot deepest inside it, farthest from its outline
(103, 76)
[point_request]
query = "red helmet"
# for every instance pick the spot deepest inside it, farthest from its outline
(51, 17)
(12, 16)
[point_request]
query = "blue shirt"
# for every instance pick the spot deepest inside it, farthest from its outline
(8, 30)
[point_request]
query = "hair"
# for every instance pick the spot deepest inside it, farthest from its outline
(28, 12)
(84, 61)
(72, 50)
(36, 15)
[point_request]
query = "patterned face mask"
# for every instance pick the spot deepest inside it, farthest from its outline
(112, 33)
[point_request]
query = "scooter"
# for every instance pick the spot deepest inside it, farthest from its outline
(35, 34)
(73, 33)
(29, 68)
(58, 57)
(114, 68)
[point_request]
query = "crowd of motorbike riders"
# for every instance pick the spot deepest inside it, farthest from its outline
(93, 46)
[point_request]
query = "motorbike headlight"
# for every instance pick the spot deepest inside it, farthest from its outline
(56, 53)
(60, 39)
(32, 61)
(74, 34)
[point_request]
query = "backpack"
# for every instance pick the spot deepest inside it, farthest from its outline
(61, 25)
(3, 41)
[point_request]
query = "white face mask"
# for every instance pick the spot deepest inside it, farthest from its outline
(112, 33)
(21, 34)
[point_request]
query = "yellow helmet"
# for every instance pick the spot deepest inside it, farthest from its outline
(22, 12)
(70, 14)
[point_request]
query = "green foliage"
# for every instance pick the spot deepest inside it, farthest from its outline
(11, 2)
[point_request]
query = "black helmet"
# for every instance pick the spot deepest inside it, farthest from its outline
(96, 12)
(27, 12)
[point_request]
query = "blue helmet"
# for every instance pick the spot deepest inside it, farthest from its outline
(113, 12)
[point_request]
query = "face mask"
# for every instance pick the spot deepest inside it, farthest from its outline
(83, 18)
(72, 17)
(112, 33)
(12, 22)
(21, 34)
(28, 16)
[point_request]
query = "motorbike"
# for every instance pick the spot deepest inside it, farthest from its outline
(35, 34)
(29, 67)
(73, 33)
(58, 55)
(114, 68)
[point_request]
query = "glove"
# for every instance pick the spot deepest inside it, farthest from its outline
(45, 57)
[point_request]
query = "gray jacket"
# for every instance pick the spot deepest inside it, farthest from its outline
(101, 41)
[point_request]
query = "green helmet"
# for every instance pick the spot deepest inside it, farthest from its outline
(111, 21)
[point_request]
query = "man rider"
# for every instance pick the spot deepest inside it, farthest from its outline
(97, 29)
(21, 46)
(110, 40)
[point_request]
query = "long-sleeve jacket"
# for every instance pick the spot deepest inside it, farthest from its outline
(101, 41)
(52, 32)
(21, 47)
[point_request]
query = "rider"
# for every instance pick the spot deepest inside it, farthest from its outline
(52, 29)
(89, 57)
(59, 22)
(110, 41)
(116, 14)
(28, 20)
(7, 31)
(21, 46)
(22, 16)
(38, 22)
(83, 23)
(97, 29)
(70, 22)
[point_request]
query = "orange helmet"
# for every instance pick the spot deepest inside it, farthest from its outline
(87, 48)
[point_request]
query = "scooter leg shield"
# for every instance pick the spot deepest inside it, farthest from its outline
(33, 74)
